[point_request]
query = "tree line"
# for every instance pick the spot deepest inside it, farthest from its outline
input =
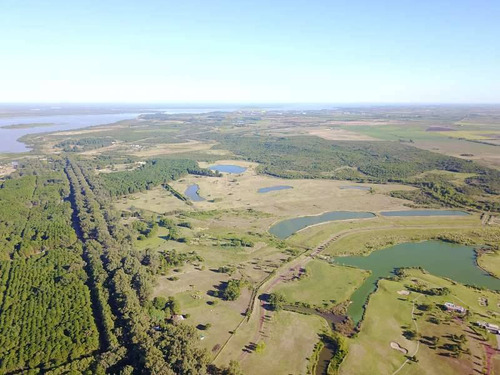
(152, 173)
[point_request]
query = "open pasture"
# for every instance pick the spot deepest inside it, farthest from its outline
(288, 338)
(323, 284)
(307, 197)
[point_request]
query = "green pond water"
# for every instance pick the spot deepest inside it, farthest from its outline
(286, 228)
(456, 262)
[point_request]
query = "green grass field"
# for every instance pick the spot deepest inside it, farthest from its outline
(324, 284)
(491, 263)
(389, 314)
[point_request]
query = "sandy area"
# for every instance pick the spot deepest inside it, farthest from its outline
(5, 170)
(396, 346)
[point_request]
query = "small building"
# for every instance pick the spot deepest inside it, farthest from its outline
(452, 307)
(493, 328)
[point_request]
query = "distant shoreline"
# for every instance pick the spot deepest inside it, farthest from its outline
(28, 126)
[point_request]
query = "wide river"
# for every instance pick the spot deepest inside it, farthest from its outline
(9, 137)
(444, 259)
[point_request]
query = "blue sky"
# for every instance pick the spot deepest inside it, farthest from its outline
(250, 51)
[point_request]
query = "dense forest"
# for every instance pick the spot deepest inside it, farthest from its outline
(74, 294)
(84, 144)
(46, 316)
(312, 157)
(152, 173)
(45, 311)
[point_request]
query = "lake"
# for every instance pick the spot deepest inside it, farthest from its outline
(192, 193)
(227, 168)
(286, 228)
(425, 213)
(274, 188)
(444, 259)
(9, 137)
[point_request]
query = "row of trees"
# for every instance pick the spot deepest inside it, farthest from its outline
(114, 270)
(151, 345)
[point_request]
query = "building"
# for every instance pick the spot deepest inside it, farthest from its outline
(452, 307)
(493, 328)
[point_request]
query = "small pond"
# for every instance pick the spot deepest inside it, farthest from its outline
(192, 193)
(274, 188)
(444, 259)
(355, 187)
(286, 228)
(227, 168)
(424, 213)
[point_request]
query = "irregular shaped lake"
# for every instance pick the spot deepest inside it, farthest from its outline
(286, 228)
(424, 213)
(227, 168)
(192, 193)
(444, 259)
(274, 188)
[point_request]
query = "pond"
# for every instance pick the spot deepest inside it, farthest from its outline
(286, 228)
(274, 188)
(355, 187)
(9, 137)
(192, 193)
(227, 168)
(444, 259)
(425, 213)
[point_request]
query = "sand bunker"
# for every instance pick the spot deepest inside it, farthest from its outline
(396, 346)
(403, 292)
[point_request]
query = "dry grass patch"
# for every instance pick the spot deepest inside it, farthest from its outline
(307, 197)
(156, 200)
(289, 342)
(338, 134)
(173, 148)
